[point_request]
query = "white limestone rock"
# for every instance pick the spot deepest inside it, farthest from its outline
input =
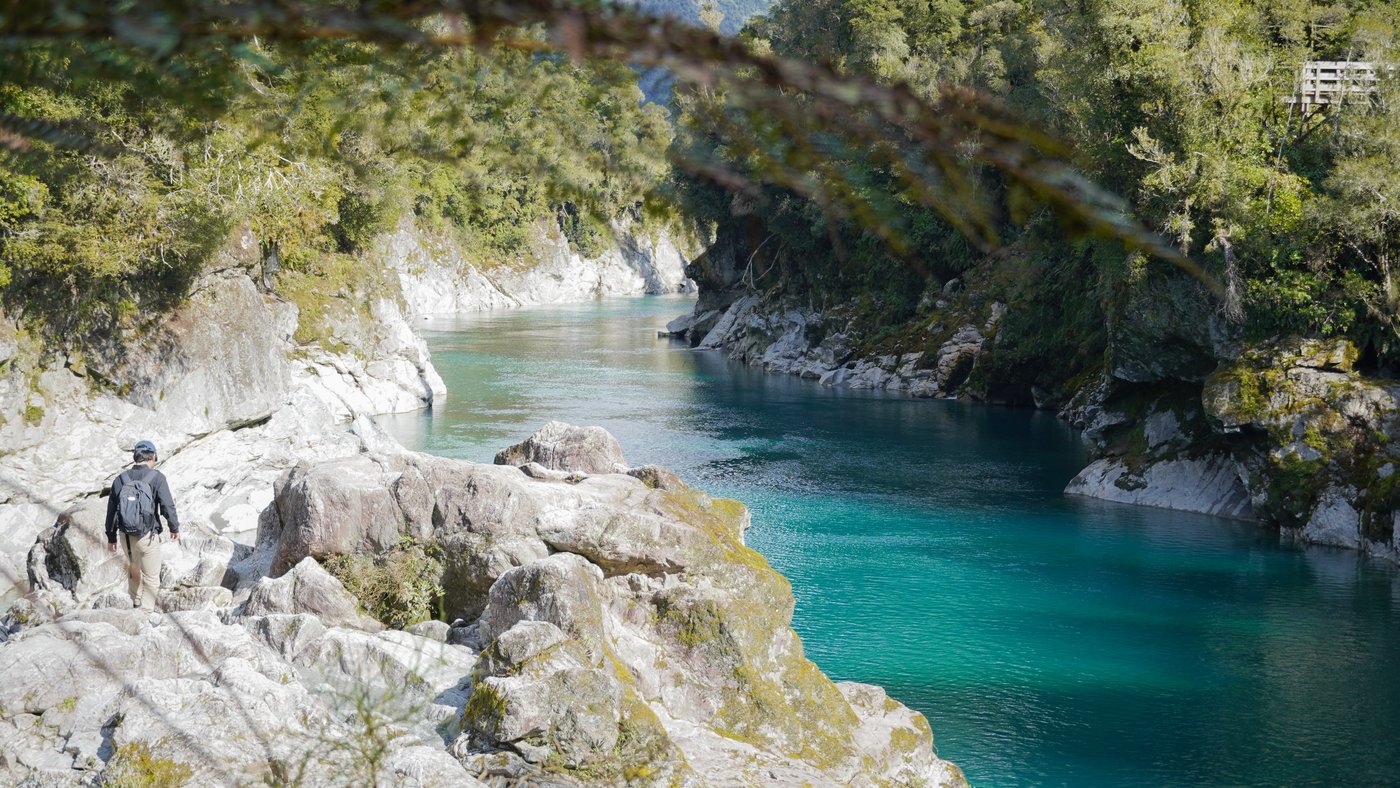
(613, 617)
(1334, 521)
(1209, 485)
(437, 277)
(20, 526)
(309, 589)
(564, 447)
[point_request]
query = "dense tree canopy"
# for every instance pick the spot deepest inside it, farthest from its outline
(1179, 106)
(317, 123)
(317, 148)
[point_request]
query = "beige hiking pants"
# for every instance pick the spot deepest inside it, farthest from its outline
(143, 568)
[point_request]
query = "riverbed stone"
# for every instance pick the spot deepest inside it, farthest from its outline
(564, 447)
(308, 588)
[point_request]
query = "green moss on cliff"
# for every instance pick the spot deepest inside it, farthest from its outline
(135, 765)
(333, 293)
(485, 709)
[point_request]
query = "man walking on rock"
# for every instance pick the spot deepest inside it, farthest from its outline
(139, 496)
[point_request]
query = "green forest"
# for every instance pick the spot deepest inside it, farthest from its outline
(119, 182)
(1179, 107)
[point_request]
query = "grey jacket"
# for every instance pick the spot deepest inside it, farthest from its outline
(165, 503)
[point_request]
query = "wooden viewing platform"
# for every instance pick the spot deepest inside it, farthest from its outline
(1335, 81)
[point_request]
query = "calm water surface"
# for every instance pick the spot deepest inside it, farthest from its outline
(1049, 640)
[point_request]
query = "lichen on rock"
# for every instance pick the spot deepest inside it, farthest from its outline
(627, 633)
(1313, 438)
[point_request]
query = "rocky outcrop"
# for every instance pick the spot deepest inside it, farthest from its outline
(189, 383)
(825, 346)
(615, 630)
(109, 694)
(564, 447)
(1156, 447)
(438, 277)
(227, 393)
(1316, 443)
(627, 632)
(1287, 433)
(1209, 485)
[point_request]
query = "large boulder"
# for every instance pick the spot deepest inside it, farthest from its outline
(344, 506)
(309, 589)
(555, 700)
(564, 447)
(626, 629)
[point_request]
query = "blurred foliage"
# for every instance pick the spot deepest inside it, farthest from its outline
(126, 158)
(319, 123)
(1177, 105)
(726, 16)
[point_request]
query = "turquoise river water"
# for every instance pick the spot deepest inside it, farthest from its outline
(1049, 640)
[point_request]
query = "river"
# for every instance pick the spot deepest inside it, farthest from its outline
(1049, 640)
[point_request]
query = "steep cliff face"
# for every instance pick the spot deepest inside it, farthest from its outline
(437, 276)
(224, 388)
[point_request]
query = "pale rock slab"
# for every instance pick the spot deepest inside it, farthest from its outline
(564, 447)
(1335, 521)
(1209, 485)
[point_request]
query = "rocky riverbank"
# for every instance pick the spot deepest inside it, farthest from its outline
(1183, 414)
(608, 624)
(239, 382)
(608, 627)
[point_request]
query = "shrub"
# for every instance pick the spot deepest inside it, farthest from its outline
(401, 587)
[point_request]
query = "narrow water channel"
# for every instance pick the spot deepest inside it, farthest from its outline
(1049, 640)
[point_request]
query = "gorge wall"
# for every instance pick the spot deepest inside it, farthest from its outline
(1180, 411)
(607, 623)
(438, 276)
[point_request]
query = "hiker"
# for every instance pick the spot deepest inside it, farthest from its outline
(139, 495)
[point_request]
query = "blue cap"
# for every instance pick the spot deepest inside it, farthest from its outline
(144, 446)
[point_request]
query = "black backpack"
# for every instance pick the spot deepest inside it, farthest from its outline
(136, 509)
